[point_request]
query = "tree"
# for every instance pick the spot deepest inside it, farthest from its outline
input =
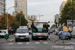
(11, 21)
(66, 12)
(31, 20)
(23, 20)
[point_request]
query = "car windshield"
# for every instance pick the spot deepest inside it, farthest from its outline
(66, 32)
(22, 31)
(2, 31)
(40, 27)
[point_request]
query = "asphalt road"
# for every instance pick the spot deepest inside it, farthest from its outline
(33, 45)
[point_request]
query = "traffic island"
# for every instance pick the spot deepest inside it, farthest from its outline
(60, 42)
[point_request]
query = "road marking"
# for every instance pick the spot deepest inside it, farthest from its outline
(45, 42)
(10, 43)
(27, 42)
(37, 43)
(11, 39)
(19, 43)
(72, 42)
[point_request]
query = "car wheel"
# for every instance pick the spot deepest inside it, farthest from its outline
(16, 40)
(69, 38)
(59, 37)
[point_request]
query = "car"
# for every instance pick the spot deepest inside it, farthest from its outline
(3, 32)
(22, 34)
(56, 32)
(30, 31)
(73, 32)
(65, 35)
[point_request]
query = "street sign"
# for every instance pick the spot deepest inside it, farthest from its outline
(6, 36)
(69, 23)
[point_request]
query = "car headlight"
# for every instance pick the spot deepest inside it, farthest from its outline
(16, 35)
(27, 35)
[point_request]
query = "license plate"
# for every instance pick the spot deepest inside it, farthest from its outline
(21, 37)
(66, 37)
(40, 37)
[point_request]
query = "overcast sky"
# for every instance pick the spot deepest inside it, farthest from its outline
(47, 8)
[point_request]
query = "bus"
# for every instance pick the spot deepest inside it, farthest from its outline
(40, 30)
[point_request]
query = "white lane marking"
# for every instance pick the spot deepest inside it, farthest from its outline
(27, 42)
(11, 39)
(10, 43)
(19, 43)
(72, 42)
(37, 42)
(45, 42)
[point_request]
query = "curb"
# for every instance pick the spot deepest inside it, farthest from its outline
(60, 43)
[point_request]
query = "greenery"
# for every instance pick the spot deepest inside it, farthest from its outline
(23, 20)
(67, 13)
(31, 20)
(11, 21)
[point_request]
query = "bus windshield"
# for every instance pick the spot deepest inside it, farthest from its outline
(40, 27)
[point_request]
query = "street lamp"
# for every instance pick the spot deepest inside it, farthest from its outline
(7, 15)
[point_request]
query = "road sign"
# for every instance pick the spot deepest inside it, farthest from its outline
(6, 36)
(69, 23)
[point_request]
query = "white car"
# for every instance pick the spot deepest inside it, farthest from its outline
(22, 34)
(3, 32)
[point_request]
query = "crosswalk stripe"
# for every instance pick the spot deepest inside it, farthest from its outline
(27, 42)
(10, 43)
(45, 42)
(19, 43)
(72, 42)
(37, 43)
(11, 39)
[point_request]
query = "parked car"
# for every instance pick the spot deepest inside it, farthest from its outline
(73, 32)
(3, 32)
(65, 35)
(56, 32)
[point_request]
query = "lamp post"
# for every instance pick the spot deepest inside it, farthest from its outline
(7, 15)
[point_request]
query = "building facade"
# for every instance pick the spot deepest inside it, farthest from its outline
(62, 6)
(2, 6)
(21, 5)
(33, 17)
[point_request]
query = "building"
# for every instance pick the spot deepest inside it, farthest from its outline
(21, 5)
(62, 6)
(33, 17)
(2, 6)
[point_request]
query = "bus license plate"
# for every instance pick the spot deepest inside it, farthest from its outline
(40, 37)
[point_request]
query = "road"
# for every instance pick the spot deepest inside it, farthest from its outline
(33, 45)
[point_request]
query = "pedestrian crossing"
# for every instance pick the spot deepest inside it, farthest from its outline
(20, 43)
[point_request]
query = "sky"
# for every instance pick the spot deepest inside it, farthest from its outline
(47, 8)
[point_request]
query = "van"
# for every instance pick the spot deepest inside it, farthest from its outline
(73, 32)
(22, 34)
(3, 32)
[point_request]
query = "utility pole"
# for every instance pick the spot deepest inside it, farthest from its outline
(4, 14)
